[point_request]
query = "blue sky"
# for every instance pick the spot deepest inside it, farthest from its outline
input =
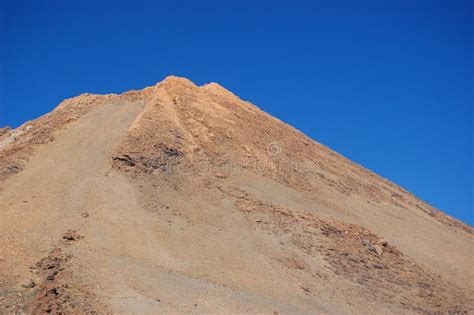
(386, 83)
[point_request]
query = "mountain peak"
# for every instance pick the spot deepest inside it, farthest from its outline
(176, 80)
(233, 207)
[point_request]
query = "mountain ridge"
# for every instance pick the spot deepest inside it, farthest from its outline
(217, 186)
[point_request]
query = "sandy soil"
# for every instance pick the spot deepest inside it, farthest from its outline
(186, 199)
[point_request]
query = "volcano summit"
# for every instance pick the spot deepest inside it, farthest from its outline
(181, 198)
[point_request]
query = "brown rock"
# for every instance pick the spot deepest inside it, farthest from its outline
(72, 235)
(4, 130)
(28, 284)
(377, 249)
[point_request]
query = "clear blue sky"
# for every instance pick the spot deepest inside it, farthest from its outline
(386, 83)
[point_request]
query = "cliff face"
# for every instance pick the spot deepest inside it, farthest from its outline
(185, 198)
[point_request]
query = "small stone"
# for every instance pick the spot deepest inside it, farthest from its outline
(28, 284)
(307, 290)
(85, 215)
(51, 276)
(378, 266)
(365, 242)
(220, 175)
(4, 130)
(377, 249)
(384, 243)
(72, 235)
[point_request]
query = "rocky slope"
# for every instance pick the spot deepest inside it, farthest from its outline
(184, 198)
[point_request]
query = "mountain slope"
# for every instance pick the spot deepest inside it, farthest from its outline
(180, 198)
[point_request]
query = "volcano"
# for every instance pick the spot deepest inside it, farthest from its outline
(181, 198)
